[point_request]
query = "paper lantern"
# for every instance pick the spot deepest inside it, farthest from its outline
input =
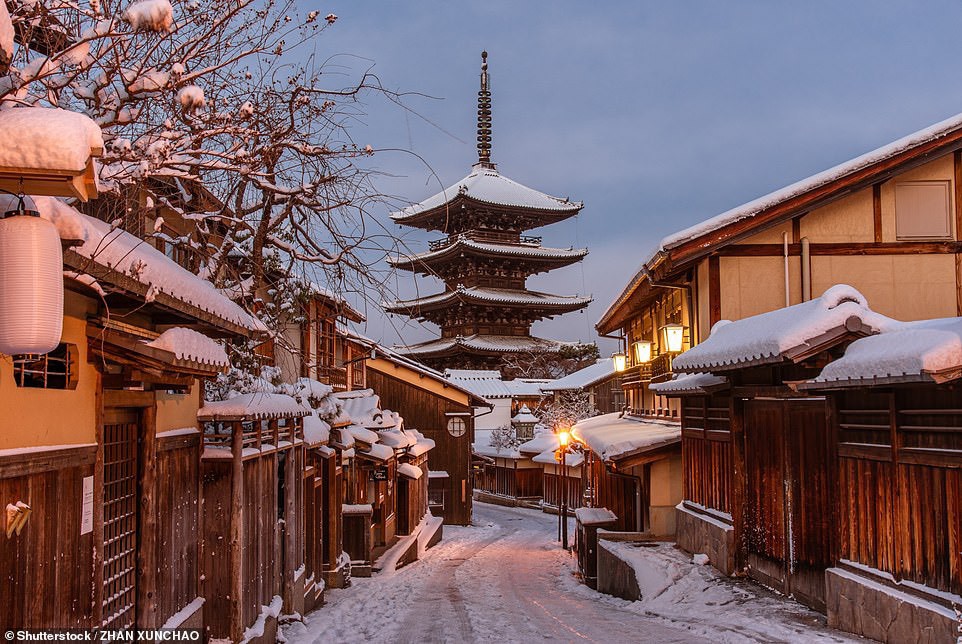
(31, 285)
(619, 361)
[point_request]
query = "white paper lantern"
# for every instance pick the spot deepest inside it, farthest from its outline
(31, 285)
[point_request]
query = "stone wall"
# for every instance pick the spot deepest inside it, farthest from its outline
(700, 534)
(870, 609)
(615, 576)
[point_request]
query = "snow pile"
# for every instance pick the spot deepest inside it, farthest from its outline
(363, 434)
(150, 15)
(316, 431)
(410, 471)
(543, 440)
(489, 186)
(253, 406)
(42, 138)
(767, 336)
(188, 344)
(124, 253)
(912, 349)
(397, 438)
(422, 443)
(759, 205)
(257, 630)
(191, 98)
(611, 436)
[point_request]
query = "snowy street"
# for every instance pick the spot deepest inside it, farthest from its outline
(505, 579)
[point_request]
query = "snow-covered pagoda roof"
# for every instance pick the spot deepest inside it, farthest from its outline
(486, 185)
(615, 437)
(114, 256)
(487, 295)
(601, 370)
(493, 344)
(924, 351)
(462, 245)
(789, 333)
(254, 406)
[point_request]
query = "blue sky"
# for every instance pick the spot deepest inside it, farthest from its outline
(656, 114)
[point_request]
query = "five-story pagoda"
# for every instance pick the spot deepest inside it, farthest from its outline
(485, 311)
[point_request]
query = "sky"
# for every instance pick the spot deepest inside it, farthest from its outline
(657, 115)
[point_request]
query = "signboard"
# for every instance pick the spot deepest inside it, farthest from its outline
(87, 506)
(380, 473)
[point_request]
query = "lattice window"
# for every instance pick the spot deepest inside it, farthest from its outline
(54, 370)
(120, 525)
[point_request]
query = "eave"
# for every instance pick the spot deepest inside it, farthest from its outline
(439, 217)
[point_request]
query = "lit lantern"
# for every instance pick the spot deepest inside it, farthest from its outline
(642, 351)
(674, 337)
(564, 437)
(31, 283)
(619, 361)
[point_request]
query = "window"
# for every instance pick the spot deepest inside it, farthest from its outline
(457, 427)
(922, 210)
(54, 370)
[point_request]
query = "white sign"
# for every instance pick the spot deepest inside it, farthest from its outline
(87, 507)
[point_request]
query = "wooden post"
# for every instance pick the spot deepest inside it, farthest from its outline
(97, 579)
(737, 416)
(147, 563)
(237, 533)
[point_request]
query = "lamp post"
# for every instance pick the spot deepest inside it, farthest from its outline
(564, 438)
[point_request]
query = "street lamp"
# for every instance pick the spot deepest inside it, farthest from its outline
(564, 437)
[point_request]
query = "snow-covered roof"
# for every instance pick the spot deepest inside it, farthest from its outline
(487, 185)
(462, 243)
(783, 333)
(572, 459)
(136, 259)
(527, 387)
(487, 295)
(396, 438)
(541, 442)
(524, 415)
(487, 384)
(753, 208)
(612, 436)
(410, 471)
(497, 452)
(423, 444)
(601, 370)
(360, 405)
(688, 383)
(478, 342)
(377, 452)
(363, 435)
(256, 406)
(188, 344)
(316, 431)
(48, 139)
(913, 351)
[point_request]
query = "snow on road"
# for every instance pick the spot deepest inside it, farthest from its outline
(505, 579)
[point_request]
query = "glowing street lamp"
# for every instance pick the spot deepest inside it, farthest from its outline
(674, 337)
(642, 351)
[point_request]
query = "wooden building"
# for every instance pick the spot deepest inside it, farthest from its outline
(253, 549)
(760, 459)
(99, 445)
(443, 412)
(896, 426)
(485, 310)
(600, 381)
(633, 468)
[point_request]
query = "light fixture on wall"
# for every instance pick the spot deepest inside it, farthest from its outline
(619, 361)
(674, 334)
(642, 351)
(31, 281)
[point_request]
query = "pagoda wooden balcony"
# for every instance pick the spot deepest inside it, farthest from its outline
(487, 237)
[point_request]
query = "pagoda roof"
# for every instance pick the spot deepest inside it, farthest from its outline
(478, 344)
(462, 244)
(486, 295)
(488, 186)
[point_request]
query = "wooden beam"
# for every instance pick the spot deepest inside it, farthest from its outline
(843, 249)
(30, 463)
(736, 415)
(797, 228)
(714, 290)
(877, 211)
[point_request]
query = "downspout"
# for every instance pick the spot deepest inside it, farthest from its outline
(806, 270)
(788, 298)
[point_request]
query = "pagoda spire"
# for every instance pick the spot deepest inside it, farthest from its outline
(484, 116)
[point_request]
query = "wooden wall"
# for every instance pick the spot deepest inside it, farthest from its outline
(627, 496)
(425, 412)
(47, 569)
(900, 506)
(706, 445)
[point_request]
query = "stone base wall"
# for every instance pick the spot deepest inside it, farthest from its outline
(868, 608)
(615, 576)
(699, 534)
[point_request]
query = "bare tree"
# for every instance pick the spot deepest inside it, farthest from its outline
(547, 363)
(567, 408)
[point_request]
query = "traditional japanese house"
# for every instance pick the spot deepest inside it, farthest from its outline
(505, 397)
(442, 411)
(633, 470)
(485, 311)
(107, 471)
(600, 381)
(557, 481)
(896, 425)
(760, 470)
(253, 517)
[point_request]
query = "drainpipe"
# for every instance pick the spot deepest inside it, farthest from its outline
(806, 270)
(788, 298)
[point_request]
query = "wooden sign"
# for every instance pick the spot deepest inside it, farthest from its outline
(380, 473)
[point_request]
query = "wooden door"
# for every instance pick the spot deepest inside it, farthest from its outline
(120, 519)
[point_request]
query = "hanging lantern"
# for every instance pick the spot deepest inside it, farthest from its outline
(674, 337)
(619, 361)
(642, 351)
(31, 283)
